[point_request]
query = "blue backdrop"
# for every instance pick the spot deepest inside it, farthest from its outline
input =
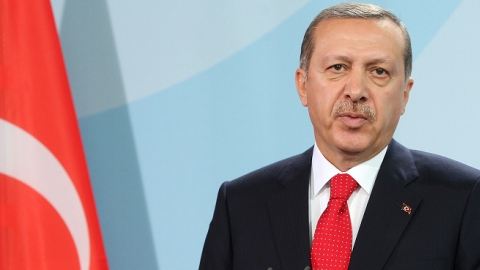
(175, 97)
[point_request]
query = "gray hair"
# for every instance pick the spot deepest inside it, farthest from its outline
(354, 10)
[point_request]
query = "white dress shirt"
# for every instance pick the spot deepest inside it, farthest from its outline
(322, 171)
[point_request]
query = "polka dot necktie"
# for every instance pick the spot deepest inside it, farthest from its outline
(332, 243)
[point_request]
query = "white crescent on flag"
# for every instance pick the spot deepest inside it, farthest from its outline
(30, 162)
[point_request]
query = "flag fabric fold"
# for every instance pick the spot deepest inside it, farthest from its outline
(48, 218)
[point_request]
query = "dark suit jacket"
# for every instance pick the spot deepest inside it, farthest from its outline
(261, 219)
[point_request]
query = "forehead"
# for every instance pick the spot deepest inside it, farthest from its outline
(358, 35)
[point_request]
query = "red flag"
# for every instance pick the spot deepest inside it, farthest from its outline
(48, 218)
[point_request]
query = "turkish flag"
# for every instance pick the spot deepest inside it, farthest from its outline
(48, 218)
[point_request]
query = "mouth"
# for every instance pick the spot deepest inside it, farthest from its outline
(354, 114)
(353, 120)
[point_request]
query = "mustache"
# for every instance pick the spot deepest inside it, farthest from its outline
(355, 107)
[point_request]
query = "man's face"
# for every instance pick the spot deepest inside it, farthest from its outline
(356, 63)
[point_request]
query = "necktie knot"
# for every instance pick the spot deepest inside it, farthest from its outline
(342, 186)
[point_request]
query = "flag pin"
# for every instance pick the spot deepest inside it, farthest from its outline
(406, 208)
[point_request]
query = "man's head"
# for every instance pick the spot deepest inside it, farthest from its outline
(357, 86)
(354, 10)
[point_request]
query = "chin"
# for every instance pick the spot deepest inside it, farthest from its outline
(353, 145)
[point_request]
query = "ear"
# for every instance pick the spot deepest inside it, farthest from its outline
(406, 93)
(301, 83)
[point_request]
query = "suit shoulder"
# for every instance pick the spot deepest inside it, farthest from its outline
(439, 167)
(270, 175)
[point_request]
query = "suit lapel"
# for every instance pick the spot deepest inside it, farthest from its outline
(288, 214)
(384, 220)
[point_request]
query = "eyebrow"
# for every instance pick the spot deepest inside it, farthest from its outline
(380, 61)
(349, 59)
(338, 57)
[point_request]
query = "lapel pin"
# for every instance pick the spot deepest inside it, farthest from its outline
(406, 208)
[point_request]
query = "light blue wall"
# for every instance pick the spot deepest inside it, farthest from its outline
(175, 97)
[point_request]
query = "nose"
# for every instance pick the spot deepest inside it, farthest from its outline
(355, 86)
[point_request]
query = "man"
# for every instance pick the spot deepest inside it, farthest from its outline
(356, 188)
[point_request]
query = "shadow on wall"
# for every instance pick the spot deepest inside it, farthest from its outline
(96, 83)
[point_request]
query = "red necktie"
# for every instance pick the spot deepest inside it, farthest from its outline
(332, 243)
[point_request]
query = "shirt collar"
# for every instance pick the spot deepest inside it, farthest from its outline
(364, 173)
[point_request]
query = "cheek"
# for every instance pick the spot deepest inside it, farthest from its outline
(392, 108)
(320, 110)
(324, 96)
(399, 102)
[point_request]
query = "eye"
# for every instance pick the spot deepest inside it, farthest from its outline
(337, 67)
(380, 72)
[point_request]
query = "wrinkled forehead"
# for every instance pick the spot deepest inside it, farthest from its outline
(371, 38)
(336, 27)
